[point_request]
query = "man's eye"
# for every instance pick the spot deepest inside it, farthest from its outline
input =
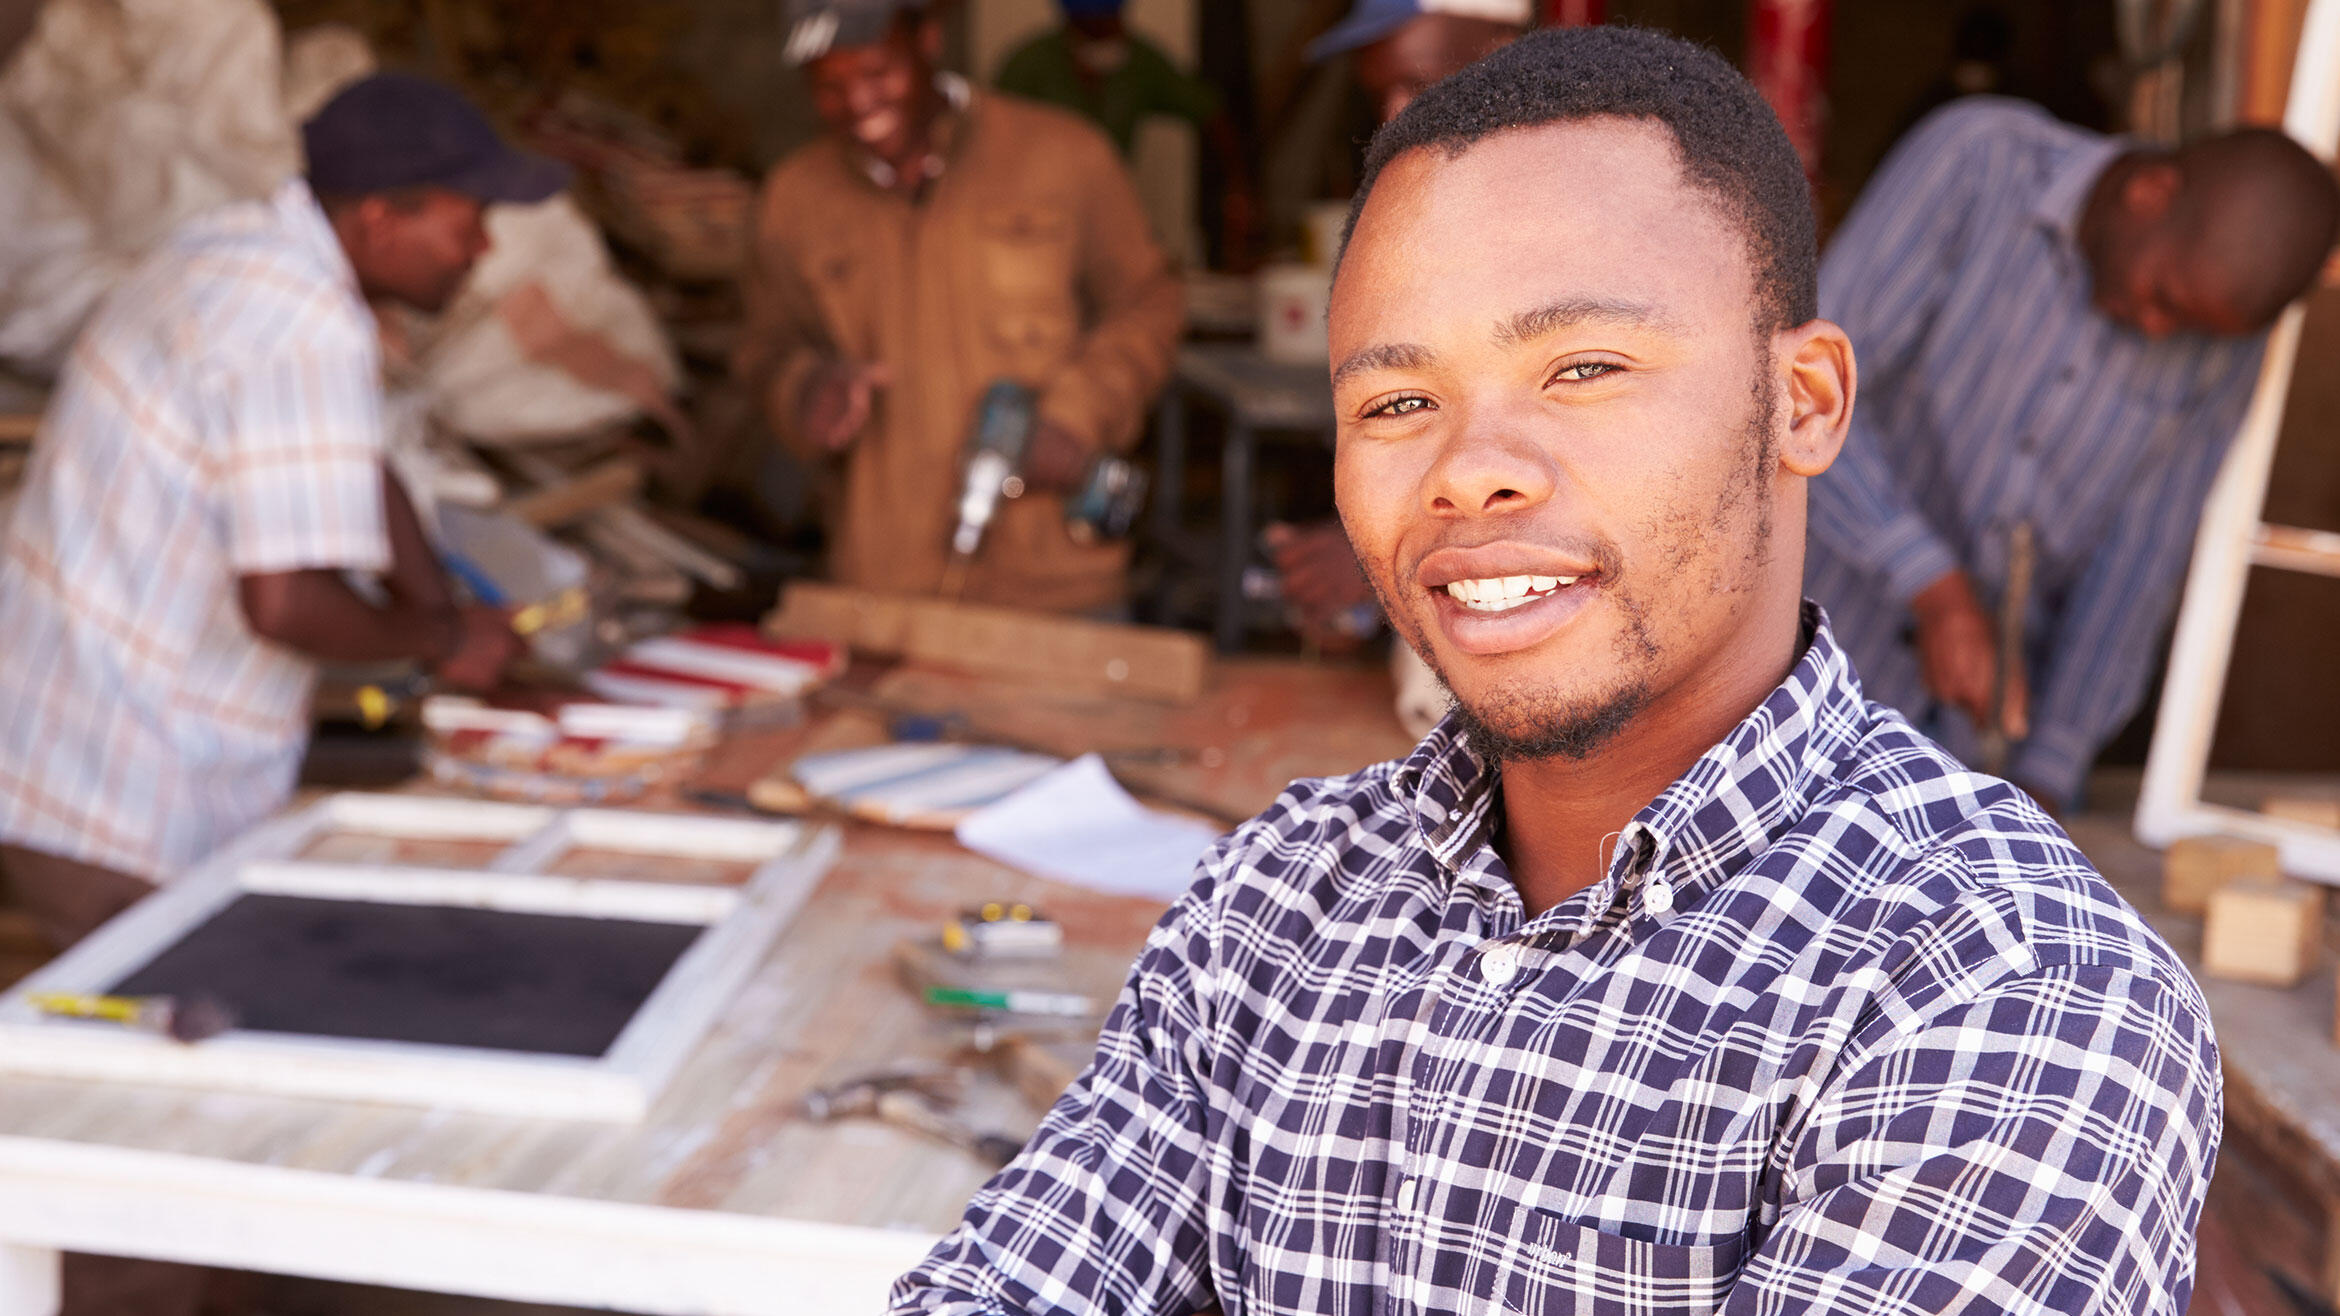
(1579, 371)
(1405, 406)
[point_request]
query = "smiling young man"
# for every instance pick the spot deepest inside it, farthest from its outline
(1668, 974)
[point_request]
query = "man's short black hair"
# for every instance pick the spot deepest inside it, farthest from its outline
(1731, 144)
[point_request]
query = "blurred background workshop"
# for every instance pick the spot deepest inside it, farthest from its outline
(616, 618)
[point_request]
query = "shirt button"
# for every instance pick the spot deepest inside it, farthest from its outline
(1405, 1196)
(1498, 964)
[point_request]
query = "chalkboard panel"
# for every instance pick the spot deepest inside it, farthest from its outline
(548, 984)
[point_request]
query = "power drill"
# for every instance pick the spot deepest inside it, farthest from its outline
(1104, 505)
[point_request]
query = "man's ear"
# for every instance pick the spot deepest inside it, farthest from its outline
(2151, 189)
(1821, 380)
(930, 41)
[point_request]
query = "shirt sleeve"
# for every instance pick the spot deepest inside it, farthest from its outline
(1137, 311)
(1885, 276)
(786, 337)
(2108, 634)
(2043, 1147)
(304, 447)
(1106, 1208)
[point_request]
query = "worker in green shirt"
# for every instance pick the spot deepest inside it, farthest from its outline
(1096, 67)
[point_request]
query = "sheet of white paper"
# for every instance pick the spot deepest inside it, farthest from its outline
(1076, 824)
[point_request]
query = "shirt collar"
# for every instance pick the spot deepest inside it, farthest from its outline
(2070, 177)
(1731, 804)
(304, 219)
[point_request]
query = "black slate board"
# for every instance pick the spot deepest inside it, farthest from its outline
(548, 984)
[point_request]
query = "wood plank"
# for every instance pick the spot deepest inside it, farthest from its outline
(604, 485)
(1038, 648)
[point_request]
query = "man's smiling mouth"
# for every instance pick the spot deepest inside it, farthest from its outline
(1503, 593)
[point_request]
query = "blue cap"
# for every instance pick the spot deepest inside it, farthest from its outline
(1372, 20)
(393, 130)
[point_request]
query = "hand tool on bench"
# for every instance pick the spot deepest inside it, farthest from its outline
(2008, 671)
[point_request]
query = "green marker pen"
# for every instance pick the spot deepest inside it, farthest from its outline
(1016, 1002)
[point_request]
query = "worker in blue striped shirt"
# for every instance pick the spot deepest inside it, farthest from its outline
(2058, 335)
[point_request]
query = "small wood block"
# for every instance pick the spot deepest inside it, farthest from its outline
(2304, 809)
(2263, 932)
(2196, 866)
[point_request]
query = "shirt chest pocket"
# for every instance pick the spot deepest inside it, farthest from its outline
(1028, 254)
(1030, 287)
(1562, 1268)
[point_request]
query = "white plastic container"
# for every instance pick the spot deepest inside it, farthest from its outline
(1292, 300)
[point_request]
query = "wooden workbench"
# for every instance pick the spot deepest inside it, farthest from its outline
(724, 1200)
(2276, 1200)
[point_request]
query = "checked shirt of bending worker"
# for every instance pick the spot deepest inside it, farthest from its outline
(1669, 974)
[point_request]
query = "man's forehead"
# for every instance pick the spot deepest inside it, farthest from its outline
(1586, 211)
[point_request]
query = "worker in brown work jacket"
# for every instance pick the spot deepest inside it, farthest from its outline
(936, 239)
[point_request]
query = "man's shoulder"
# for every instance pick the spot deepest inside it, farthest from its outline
(1991, 142)
(233, 279)
(1956, 880)
(1995, 118)
(819, 163)
(1043, 133)
(1319, 845)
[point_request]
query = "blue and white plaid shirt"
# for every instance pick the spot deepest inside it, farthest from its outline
(1845, 1029)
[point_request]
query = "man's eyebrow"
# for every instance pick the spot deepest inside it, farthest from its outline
(1383, 356)
(1527, 326)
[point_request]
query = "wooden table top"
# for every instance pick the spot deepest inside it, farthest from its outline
(825, 1006)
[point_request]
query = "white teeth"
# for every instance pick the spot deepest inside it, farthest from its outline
(1503, 593)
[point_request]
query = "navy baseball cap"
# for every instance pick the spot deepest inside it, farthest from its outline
(392, 130)
(1372, 20)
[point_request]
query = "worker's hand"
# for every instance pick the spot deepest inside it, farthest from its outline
(1322, 580)
(835, 402)
(1056, 461)
(1958, 653)
(485, 645)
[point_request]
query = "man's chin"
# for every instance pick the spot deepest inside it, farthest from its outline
(1511, 723)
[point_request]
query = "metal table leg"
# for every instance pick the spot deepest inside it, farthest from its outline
(1169, 462)
(1235, 532)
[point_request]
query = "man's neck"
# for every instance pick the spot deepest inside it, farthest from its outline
(914, 170)
(2094, 225)
(1563, 818)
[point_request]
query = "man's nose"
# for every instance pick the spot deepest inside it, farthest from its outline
(1488, 468)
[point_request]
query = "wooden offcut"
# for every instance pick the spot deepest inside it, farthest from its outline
(605, 485)
(2307, 809)
(2197, 866)
(1062, 652)
(2264, 932)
